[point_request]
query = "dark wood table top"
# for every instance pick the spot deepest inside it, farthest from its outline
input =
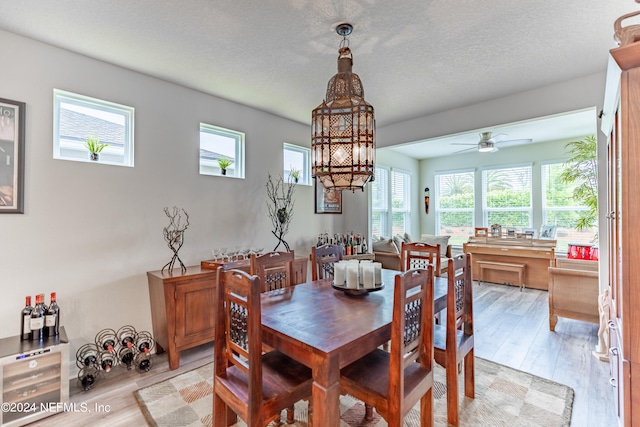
(319, 316)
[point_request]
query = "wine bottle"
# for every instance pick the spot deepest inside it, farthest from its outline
(143, 362)
(106, 340)
(107, 361)
(126, 357)
(42, 301)
(25, 320)
(126, 336)
(52, 318)
(88, 377)
(36, 323)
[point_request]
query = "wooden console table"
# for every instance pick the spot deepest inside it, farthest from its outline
(536, 255)
(181, 311)
(181, 304)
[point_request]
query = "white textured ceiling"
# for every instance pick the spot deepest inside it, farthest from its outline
(415, 57)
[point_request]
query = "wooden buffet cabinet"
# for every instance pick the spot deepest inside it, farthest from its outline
(621, 124)
(536, 255)
(181, 306)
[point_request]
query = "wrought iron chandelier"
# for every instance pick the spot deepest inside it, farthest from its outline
(343, 128)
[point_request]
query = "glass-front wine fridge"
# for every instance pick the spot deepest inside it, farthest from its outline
(34, 378)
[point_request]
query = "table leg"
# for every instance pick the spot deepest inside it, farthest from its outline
(326, 393)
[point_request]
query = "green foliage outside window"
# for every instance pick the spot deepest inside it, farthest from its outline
(582, 170)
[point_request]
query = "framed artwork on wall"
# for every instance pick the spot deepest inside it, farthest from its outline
(11, 156)
(327, 200)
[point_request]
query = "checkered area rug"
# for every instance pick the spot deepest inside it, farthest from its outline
(504, 397)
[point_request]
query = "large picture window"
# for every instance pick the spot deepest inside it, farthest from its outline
(380, 202)
(390, 202)
(76, 118)
(560, 209)
(506, 196)
(455, 205)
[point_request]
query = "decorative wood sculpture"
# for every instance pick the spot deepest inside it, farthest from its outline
(174, 235)
(280, 207)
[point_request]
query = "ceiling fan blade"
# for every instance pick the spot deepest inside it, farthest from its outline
(513, 142)
(465, 150)
(497, 137)
(464, 143)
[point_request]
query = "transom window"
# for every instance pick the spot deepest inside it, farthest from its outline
(76, 118)
(221, 151)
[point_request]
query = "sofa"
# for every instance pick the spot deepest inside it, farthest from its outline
(573, 291)
(387, 250)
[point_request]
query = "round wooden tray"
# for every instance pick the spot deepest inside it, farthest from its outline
(356, 292)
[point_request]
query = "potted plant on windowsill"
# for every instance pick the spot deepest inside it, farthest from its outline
(95, 147)
(224, 163)
(295, 174)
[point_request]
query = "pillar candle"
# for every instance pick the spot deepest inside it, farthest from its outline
(339, 273)
(378, 273)
(368, 276)
(352, 276)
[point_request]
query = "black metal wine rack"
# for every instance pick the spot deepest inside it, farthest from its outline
(124, 347)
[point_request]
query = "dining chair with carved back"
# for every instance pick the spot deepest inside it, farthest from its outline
(453, 341)
(420, 255)
(257, 386)
(275, 269)
(322, 260)
(393, 382)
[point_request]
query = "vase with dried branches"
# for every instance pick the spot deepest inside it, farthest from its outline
(280, 205)
(174, 235)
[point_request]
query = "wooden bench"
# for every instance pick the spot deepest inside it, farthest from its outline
(502, 266)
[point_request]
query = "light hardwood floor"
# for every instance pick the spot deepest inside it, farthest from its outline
(511, 328)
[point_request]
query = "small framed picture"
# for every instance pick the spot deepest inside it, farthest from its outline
(548, 232)
(481, 231)
(12, 125)
(530, 232)
(328, 200)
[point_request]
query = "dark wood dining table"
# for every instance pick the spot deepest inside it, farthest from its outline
(326, 329)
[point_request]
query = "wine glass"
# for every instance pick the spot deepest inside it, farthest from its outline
(224, 254)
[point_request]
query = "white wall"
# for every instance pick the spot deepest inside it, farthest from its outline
(90, 232)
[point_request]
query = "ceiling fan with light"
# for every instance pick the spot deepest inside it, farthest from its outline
(491, 144)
